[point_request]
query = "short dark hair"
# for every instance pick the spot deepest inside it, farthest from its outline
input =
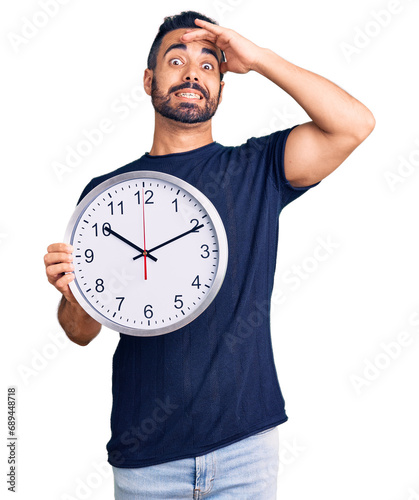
(186, 20)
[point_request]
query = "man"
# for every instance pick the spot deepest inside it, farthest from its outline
(215, 401)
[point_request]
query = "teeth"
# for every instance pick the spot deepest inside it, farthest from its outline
(189, 95)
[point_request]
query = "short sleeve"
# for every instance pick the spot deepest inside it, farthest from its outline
(92, 184)
(86, 190)
(102, 178)
(275, 151)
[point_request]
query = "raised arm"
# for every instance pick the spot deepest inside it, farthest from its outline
(79, 327)
(340, 123)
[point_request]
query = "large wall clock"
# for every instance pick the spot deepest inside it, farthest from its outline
(150, 253)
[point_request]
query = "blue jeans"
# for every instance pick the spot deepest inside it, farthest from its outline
(246, 470)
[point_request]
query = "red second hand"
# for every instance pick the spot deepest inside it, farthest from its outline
(145, 252)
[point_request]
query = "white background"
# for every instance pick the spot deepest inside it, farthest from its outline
(352, 429)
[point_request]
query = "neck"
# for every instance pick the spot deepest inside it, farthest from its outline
(176, 137)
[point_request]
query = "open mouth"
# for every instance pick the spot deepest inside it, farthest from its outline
(188, 95)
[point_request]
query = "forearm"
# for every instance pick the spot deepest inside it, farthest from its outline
(77, 324)
(332, 109)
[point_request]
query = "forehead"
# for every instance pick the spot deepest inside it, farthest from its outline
(173, 37)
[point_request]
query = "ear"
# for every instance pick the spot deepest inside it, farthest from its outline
(148, 78)
(222, 83)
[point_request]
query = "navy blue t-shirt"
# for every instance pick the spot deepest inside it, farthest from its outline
(212, 382)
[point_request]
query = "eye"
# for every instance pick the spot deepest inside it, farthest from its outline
(207, 66)
(175, 62)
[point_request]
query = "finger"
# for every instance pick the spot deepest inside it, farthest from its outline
(199, 34)
(213, 28)
(54, 271)
(56, 258)
(60, 247)
(62, 285)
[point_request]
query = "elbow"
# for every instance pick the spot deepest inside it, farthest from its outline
(81, 343)
(365, 127)
(76, 339)
(83, 338)
(369, 123)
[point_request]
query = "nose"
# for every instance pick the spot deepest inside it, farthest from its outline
(191, 74)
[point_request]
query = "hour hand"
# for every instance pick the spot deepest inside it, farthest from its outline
(130, 243)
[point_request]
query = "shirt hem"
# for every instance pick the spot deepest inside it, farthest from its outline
(199, 451)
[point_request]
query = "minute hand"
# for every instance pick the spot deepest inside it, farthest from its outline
(193, 230)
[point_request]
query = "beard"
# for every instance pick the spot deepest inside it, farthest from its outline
(185, 112)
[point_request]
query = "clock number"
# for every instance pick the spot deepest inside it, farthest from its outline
(105, 229)
(149, 198)
(148, 311)
(206, 251)
(89, 255)
(120, 304)
(175, 203)
(196, 282)
(147, 201)
(196, 223)
(178, 302)
(99, 285)
(121, 205)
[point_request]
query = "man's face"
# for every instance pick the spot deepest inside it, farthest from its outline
(185, 84)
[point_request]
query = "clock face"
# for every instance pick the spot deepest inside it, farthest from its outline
(150, 253)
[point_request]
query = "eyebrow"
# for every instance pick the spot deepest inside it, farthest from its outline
(182, 46)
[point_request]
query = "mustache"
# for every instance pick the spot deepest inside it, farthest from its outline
(193, 86)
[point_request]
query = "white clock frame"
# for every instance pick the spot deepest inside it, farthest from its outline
(221, 236)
